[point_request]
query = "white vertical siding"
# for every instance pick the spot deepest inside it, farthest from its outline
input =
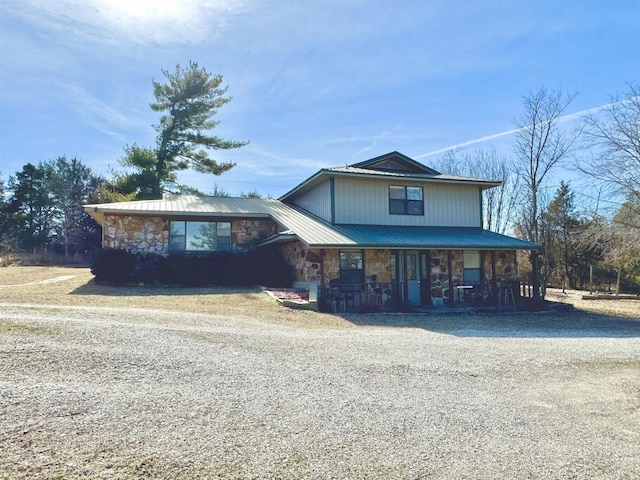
(317, 201)
(364, 202)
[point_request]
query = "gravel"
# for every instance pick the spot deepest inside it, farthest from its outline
(89, 392)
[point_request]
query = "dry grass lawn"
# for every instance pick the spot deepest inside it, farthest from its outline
(81, 290)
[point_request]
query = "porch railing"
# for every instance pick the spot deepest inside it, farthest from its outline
(377, 297)
(360, 297)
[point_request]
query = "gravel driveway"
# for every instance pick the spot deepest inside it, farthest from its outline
(130, 393)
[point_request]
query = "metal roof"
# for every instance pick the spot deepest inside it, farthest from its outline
(312, 230)
(397, 157)
(383, 236)
(362, 170)
(305, 226)
(411, 175)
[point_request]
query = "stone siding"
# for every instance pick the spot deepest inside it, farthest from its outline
(457, 267)
(142, 234)
(439, 277)
(305, 261)
(245, 233)
(136, 234)
(377, 265)
(331, 266)
(506, 265)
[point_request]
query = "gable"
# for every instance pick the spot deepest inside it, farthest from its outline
(395, 162)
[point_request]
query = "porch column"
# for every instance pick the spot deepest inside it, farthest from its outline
(494, 280)
(536, 275)
(449, 268)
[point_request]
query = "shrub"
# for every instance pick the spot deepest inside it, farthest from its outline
(113, 265)
(193, 270)
(153, 268)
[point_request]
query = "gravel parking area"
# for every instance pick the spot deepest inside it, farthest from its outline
(89, 392)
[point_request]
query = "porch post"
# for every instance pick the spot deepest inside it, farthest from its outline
(449, 268)
(536, 275)
(321, 286)
(494, 280)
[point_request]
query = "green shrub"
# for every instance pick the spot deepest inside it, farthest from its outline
(153, 268)
(113, 265)
(193, 270)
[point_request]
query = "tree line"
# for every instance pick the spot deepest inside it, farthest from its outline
(582, 243)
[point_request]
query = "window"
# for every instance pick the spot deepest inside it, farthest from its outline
(472, 272)
(199, 236)
(405, 200)
(351, 266)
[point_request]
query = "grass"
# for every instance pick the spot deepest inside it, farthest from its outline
(81, 290)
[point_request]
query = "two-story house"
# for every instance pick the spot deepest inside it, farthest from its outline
(386, 232)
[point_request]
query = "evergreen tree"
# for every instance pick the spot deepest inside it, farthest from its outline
(188, 100)
(71, 185)
(6, 226)
(561, 223)
(32, 205)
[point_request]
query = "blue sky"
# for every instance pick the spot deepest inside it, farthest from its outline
(314, 84)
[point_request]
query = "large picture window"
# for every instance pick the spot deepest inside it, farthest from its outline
(406, 200)
(199, 236)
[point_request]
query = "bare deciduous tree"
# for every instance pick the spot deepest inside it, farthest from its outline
(540, 145)
(499, 202)
(614, 135)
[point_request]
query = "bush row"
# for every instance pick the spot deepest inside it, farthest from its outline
(120, 267)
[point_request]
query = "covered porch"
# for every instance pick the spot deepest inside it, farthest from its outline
(399, 268)
(415, 280)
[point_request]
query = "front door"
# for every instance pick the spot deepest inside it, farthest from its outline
(412, 278)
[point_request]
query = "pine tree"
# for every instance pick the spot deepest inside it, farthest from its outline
(188, 100)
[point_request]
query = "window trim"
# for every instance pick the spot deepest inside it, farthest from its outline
(407, 202)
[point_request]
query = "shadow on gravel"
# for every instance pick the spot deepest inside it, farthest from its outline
(572, 324)
(92, 288)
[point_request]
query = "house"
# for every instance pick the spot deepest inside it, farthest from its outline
(384, 233)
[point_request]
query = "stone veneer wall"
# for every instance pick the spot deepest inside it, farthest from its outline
(439, 277)
(245, 233)
(440, 294)
(142, 234)
(136, 234)
(378, 263)
(506, 266)
(457, 266)
(331, 266)
(305, 261)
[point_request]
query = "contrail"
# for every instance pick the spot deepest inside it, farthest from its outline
(565, 118)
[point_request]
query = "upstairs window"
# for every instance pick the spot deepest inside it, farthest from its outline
(405, 200)
(199, 236)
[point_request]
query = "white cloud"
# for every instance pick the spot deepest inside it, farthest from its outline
(114, 120)
(127, 21)
(486, 138)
